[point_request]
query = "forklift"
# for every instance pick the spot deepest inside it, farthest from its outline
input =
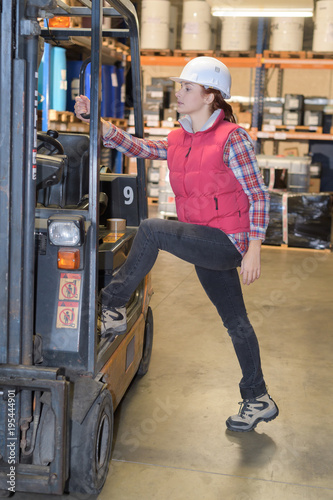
(60, 381)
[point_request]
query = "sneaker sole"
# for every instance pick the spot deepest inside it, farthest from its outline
(255, 423)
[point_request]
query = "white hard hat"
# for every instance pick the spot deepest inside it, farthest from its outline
(209, 72)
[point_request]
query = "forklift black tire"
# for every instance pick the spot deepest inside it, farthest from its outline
(147, 344)
(6, 494)
(91, 444)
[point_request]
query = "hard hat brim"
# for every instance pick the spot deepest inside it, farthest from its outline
(179, 80)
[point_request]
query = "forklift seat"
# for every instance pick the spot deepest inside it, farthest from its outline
(50, 170)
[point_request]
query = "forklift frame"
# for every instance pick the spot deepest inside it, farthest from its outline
(19, 375)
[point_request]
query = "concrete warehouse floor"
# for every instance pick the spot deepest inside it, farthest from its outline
(171, 442)
(170, 439)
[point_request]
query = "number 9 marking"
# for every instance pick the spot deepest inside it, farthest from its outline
(128, 194)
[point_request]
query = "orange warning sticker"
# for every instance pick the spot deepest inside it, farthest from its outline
(70, 286)
(67, 314)
(112, 237)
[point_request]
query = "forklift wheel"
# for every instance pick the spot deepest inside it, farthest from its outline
(147, 344)
(91, 443)
(6, 494)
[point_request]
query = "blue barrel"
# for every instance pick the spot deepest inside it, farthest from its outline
(120, 93)
(58, 80)
(106, 91)
(118, 163)
(73, 73)
(87, 80)
(106, 101)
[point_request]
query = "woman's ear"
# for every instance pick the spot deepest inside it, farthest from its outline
(209, 98)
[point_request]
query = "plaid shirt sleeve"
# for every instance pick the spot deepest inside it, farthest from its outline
(126, 143)
(240, 157)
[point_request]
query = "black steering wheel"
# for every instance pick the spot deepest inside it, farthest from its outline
(48, 144)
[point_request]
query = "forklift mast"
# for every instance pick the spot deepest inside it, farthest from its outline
(20, 32)
(19, 37)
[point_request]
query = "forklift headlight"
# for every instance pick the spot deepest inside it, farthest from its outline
(65, 232)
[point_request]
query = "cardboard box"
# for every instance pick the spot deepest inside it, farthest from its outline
(293, 102)
(292, 118)
(154, 93)
(237, 107)
(244, 119)
(152, 189)
(153, 174)
(313, 118)
(270, 120)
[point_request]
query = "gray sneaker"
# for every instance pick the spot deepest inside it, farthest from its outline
(113, 321)
(251, 412)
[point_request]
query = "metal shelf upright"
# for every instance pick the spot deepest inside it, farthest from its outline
(259, 89)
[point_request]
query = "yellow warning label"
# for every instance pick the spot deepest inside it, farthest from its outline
(112, 237)
(67, 314)
(70, 286)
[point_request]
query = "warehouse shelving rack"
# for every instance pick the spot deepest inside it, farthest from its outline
(242, 62)
(260, 64)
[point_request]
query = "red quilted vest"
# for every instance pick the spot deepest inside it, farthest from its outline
(207, 191)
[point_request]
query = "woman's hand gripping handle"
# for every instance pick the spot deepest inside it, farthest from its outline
(82, 108)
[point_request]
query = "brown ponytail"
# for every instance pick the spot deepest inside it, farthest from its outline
(220, 103)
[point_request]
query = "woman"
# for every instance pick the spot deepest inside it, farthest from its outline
(222, 207)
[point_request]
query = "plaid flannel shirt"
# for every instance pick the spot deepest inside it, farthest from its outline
(238, 155)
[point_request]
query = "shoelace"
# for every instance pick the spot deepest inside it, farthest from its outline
(245, 407)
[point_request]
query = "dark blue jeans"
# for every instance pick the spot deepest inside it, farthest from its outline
(215, 259)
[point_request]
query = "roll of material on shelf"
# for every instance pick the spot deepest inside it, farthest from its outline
(113, 85)
(196, 28)
(106, 91)
(173, 27)
(236, 33)
(58, 79)
(73, 90)
(287, 33)
(214, 32)
(87, 80)
(323, 27)
(155, 22)
(120, 92)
